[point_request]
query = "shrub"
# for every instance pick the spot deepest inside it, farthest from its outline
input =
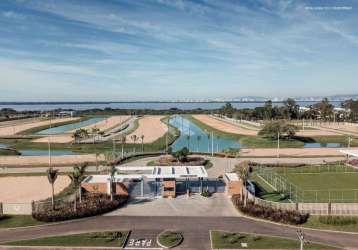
(206, 193)
(91, 205)
(338, 220)
(265, 212)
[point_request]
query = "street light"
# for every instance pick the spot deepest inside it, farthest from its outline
(301, 238)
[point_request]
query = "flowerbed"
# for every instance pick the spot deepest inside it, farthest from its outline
(91, 205)
(265, 212)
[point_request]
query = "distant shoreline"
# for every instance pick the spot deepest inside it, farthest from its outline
(59, 103)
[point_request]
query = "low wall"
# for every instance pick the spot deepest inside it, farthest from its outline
(16, 208)
(311, 208)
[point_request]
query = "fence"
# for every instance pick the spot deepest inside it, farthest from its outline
(15, 208)
(311, 208)
(277, 179)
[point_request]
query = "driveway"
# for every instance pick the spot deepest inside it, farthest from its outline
(218, 205)
(194, 229)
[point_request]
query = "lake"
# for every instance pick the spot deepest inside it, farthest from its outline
(69, 127)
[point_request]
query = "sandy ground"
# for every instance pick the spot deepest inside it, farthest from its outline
(316, 132)
(102, 125)
(151, 127)
(232, 128)
(29, 188)
(293, 152)
(61, 138)
(224, 126)
(19, 127)
(343, 128)
(108, 123)
(44, 160)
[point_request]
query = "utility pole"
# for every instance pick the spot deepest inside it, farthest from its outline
(49, 151)
(114, 147)
(212, 143)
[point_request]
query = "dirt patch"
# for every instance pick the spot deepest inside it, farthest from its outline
(43, 160)
(293, 152)
(224, 126)
(25, 125)
(29, 188)
(151, 127)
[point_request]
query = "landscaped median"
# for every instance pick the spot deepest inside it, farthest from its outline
(169, 239)
(234, 240)
(96, 239)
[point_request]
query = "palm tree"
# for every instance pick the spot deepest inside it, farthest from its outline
(52, 176)
(243, 170)
(134, 139)
(76, 178)
(111, 163)
(112, 173)
(217, 143)
(95, 132)
(188, 138)
(142, 138)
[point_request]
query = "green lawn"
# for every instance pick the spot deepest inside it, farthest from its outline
(315, 222)
(229, 240)
(99, 239)
(170, 238)
(9, 221)
(321, 183)
(265, 191)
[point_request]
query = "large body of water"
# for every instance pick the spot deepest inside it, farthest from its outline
(69, 127)
(139, 105)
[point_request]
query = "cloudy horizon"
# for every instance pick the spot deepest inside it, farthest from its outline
(122, 50)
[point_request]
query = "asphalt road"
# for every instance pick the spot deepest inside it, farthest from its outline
(194, 229)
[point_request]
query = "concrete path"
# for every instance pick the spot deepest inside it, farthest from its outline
(196, 205)
(194, 229)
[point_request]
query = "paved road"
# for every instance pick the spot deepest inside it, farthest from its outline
(195, 229)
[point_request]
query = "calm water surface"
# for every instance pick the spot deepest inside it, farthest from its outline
(69, 127)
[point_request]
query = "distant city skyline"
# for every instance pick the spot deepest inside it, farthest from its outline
(156, 50)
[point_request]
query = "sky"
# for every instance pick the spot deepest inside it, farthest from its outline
(123, 50)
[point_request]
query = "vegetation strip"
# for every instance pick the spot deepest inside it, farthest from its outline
(99, 239)
(232, 240)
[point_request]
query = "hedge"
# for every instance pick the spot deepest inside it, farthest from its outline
(269, 213)
(91, 205)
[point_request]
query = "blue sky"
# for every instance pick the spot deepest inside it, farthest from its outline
(92, 50)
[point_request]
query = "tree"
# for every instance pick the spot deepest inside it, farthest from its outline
(182, 154)
(95, 131)
(227, 110)
(77, 177)
(52, 176)
(268, 110)
(278, 128)
(324, 108)
(351, 107)
(290, 109)
(243, 170)
(112, 173)
(80, 134)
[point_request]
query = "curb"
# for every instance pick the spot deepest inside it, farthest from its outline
(165, 247)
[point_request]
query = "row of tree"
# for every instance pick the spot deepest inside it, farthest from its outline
(290, 110)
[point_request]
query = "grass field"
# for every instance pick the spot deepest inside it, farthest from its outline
(230, 240)
(321, 183)
(100, 239)
(9, 221)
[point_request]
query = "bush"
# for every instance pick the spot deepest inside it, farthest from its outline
(91, 205)
(338, 220)
(264, 212)
(206, 193)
